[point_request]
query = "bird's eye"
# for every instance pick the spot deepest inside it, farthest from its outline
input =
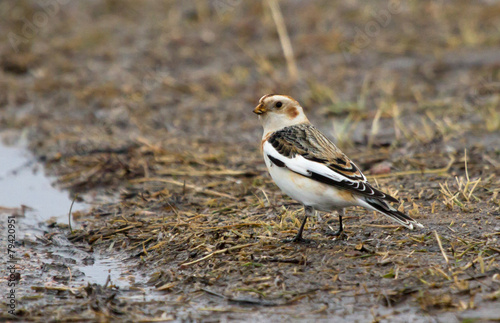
(279, 104)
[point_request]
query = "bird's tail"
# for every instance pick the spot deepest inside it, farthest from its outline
(384, 208)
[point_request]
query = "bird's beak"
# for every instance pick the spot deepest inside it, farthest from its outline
(260, 109)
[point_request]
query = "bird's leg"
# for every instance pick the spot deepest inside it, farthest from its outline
(341, 227)
(308, 211)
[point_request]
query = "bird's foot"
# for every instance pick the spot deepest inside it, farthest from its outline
(340, 234)
(297, 239)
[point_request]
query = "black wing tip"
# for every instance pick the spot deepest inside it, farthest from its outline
(398, 216)
(378, 194)
(389, 198)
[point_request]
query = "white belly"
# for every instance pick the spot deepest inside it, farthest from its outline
(309, 192)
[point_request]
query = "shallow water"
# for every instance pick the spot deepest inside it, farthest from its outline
(24, 183)
(102, 269)
(27, 192)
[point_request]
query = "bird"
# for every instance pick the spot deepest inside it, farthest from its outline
(308, 167)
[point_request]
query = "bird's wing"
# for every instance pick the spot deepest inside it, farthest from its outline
(306, 151)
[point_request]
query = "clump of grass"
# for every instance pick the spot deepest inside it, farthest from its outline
(290, 219)
(463, 192)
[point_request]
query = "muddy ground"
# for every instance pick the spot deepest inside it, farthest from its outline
(144, 110)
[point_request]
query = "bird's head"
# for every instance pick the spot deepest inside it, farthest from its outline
(278, 111)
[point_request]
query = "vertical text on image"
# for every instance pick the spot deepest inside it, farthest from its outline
(11, 264)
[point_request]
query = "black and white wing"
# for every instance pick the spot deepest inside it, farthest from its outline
(306, 151)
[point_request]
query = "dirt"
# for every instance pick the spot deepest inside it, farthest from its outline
(143, 109)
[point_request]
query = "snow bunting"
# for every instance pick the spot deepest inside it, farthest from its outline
(309, 168)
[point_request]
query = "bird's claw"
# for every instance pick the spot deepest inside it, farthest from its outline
(297, 240)
(340, 234)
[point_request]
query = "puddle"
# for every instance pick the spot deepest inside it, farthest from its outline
(26, 191)
(102, 269)
(24, 186)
